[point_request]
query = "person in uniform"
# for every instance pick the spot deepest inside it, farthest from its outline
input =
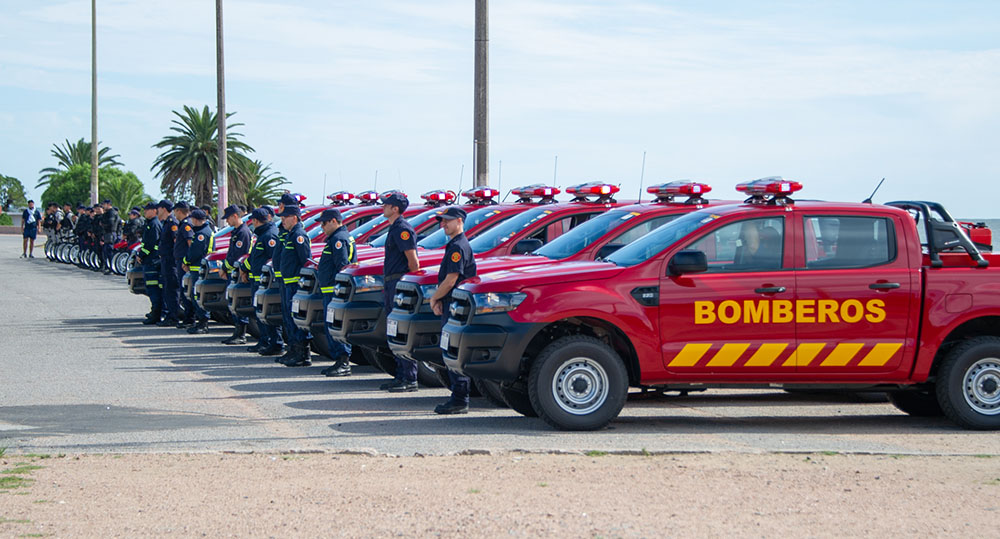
(294, 255)
(110, 232)
(400, 258)
(51, 221)
(168, 277)
(338, 252)
(69, 219)
(270, 343)
(29, 229)
(149, 257)
(182, 242)
(135, 226)
(208, 211)
(82, 230)
(286, 201)
(239, 245)
(96, 233)
(200, 245)
(457, 265)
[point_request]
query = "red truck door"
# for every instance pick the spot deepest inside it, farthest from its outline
(735, 319)
(853, 296)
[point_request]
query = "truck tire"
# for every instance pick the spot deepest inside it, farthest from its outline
(427, 376)
(968, 384)
(517, 399)
(490, 390)
(578, 383)
(357, 356)
(380, 360)
(916, 403)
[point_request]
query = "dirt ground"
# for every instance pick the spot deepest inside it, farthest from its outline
(508, 494)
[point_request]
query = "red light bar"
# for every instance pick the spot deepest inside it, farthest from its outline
(299, 196)
(368, 196)
(775, 186)
(438, 196)
(481, 192)
(679, 188)
(537, 190)
(592, 188)
(340, 196)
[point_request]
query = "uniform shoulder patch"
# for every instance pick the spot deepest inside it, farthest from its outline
(186, 227)
(404, 235)
(173, 228)
(239, 243)
(339, 244)
(271, 243)
(456, 256)
(300, 239)
(201, 237)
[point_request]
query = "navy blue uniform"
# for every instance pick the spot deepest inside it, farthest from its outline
(399, 239)
(168, 275)
(110, 233)
(263, 248)
(185, 233)
(458, 258)
(339, 252)
(201, 245)
(239, 245)
(293, 256)
(150, 253)
(30, 228)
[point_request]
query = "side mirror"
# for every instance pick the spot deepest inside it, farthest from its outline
(527, 246)
(606, 251)
(688, 261)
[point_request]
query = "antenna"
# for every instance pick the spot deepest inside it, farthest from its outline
(322, 196)
(461, 174)
(375, 187)
(642, 175)
(555, 170)
(500, 175)
(869, 199)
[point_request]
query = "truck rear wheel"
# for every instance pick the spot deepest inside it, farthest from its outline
(968, 384)
(578, 383)
(916, 403)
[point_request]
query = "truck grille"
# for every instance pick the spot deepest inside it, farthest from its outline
(342, 287)
(407, 297)
(461, 306)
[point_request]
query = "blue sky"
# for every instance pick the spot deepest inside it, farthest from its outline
(835, 94)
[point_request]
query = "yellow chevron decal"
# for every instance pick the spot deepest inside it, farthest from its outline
(728, 354)
(766, 354)
(842, 354)
(880, 354)
(689, 355)
(804, 354)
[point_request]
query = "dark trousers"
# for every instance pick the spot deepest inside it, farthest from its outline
(185, 310)
(406, 369)
(154, 287)
(168, 276)
(269, 335)
(199, 314)
(240, 319)
(296, 335)
(108, 252)
(337, 348)
(459, 382)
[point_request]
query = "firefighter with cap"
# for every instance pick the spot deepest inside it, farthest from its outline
(182, 242)
(294, 255)
(457, 265)
(264, 246)
(338, 252)
(239, 245)
(400, 258)
(287, 200)
(200, 246)
(149, 257)
(168, 277)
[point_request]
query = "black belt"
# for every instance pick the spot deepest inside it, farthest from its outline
(393, 277)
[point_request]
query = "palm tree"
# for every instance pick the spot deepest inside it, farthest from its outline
(124, 190)
(75, 154)
(265, 185)
(190, 158)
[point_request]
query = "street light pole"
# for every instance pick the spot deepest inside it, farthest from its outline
(481, 106)
(221, 85)
(94, 148)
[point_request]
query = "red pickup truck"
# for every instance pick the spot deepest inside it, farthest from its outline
(769, 293)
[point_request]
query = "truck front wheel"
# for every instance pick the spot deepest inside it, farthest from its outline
(578, 383)
(968, 384)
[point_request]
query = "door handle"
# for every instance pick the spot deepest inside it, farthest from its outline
(883, 286)
(770, 290)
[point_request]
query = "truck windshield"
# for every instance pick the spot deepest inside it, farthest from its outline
(367, 227)
(658, 240)
(586, 234)
(495, 236)
(439, 239)
(416, 220)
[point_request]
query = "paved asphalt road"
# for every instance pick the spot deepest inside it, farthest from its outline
(78, 373)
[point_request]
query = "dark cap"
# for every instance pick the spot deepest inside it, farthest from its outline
(291, 210)
(452, 212)
(396, 199)
(184, 206)
(151, 205)
(269, 210)
(289, 199)
(330, 214)
(106, 201)
(134, 210)
(81, 207)
(261, 215)
(231, 210)
(165, 204)
(199, 214)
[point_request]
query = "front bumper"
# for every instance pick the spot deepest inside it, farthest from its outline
(239, 299)
(211, 294)
(490, 348)
(267, 304)
(187, 283)
(136, 280)
(417, 336)
(307, 311)
(358, 321)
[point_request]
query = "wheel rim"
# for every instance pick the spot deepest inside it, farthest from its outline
(981, 386)
(580, 386)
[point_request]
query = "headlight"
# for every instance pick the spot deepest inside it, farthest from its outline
(368, 283)
(427, 291)
(494, 302)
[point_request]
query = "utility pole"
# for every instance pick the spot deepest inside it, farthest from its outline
(481, 107)
(221, 85)
(94, 147)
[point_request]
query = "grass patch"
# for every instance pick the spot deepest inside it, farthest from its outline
(543, 484)
(994, 482)
(8, 482)
(37, 456)
(982, 456)
(21, 468)
(3, 450)
(14, 521)
(35, 535)
(43, 501)
(829, 453)
(595, 453)
(474, 491)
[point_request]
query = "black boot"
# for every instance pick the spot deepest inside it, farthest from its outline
(342, 367)
(290, 354)
(256, 348)
(239, 335)
(199, 328)
(151, 318)
(271, 350)
(301, 359)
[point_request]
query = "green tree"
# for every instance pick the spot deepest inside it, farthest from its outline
(73, 185)
(11, 193)
(189, 162)
(265, 186)
(76, 154)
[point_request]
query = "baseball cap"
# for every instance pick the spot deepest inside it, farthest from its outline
(261, 215)
(289, 199)
(231, 210)
(182, 206)
(330, 214)
(451, 213)
(396, 199)
(199, 214)
(165, 204)
(291, 210)
(151, 205)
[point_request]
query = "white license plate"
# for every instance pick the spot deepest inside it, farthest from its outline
(391, 327)
(295, 305)
(255, 300)
(445, 339)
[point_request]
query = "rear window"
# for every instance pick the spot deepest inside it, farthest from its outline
(845, 242)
